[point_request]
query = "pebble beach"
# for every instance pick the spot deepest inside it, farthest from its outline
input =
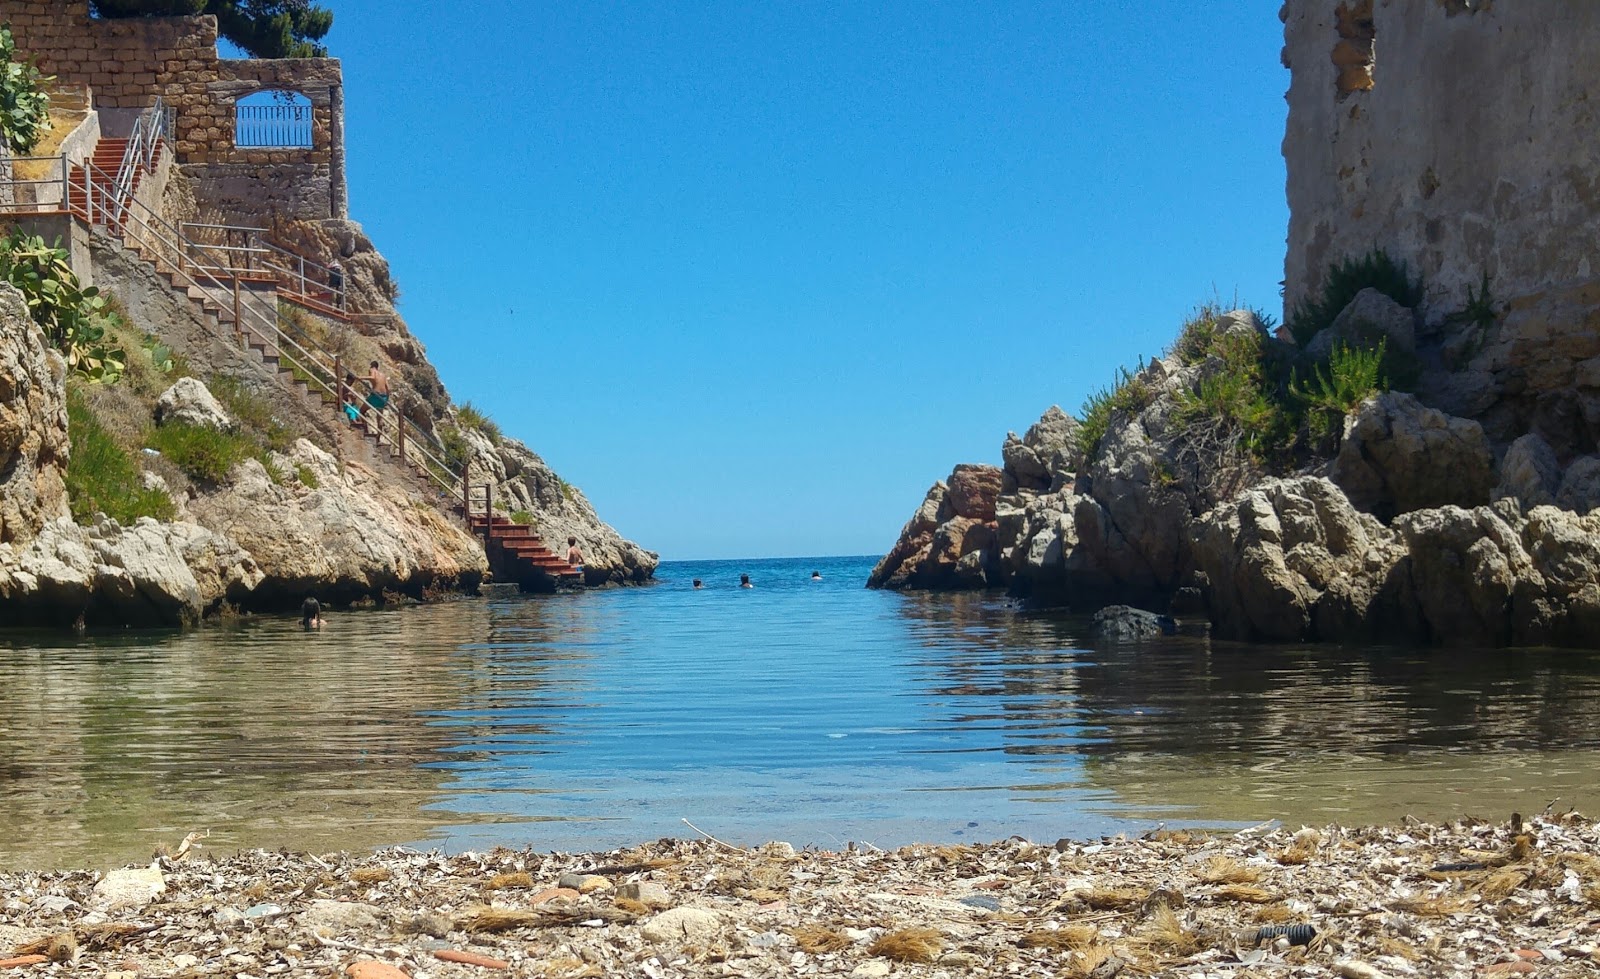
(1471, 898)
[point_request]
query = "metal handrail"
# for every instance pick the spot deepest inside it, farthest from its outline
(149, 129)
(188, 260)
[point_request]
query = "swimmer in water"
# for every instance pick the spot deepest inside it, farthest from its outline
(310, 614)
(816, 576)
(698, 584)
(744, 581)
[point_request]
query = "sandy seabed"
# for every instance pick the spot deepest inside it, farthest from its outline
(1465, 899)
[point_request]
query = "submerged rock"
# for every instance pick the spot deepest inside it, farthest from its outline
(1122, 623)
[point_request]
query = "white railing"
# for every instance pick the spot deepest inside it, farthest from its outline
(152, 127)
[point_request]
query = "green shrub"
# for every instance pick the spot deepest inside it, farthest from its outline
(308, 477)
(253, 412)
(1352, 376)
(1199, 332)
(1346, 278)
(24, 104)
(202, 453)
(1128, 394)
(468, 414)
(73, 318)
(522, 517)
(102, 476)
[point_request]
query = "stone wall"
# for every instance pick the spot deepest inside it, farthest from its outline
(129, 62)
(1458, 135)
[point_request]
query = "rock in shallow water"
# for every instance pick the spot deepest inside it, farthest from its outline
(1122, 623)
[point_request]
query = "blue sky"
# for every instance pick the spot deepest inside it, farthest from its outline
(755, 275)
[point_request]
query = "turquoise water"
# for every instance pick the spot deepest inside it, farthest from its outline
(816, 712)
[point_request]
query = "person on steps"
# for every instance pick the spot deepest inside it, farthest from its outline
(574, 555)
(347, 397)
(378, 399)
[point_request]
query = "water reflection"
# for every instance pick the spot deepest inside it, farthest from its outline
(263, 734)
(814, 712)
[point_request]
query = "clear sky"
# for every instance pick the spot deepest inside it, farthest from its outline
(755, 275)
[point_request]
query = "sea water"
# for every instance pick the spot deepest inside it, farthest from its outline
(813, 711)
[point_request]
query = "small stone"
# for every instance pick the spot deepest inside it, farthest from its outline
(874, 969)
(127, 889)
(682, 925)
(779, 850)
(370, 969)
(958, 960)
(553, 894)
(470, 958)
(436, 925)
(263, 910)
(184, 960)
(1529, 954)
(648, 893)
(583, 883)
(340, 917)
(980, 901)
(1517, 968)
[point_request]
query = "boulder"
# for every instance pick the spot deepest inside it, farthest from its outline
(33, 424)
(682, 926)
(189, 402)
(1580, 485)
(1292, 559)
(1370, 317)
(1043, 459)
(1398, 455)
(113, 575)
(1529, 473)
(895, 569)
(1123, 623)
(974, 490)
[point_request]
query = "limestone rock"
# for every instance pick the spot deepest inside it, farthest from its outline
(1122, 623)
(1529, 473)
(189, 402)
(354, 534)
(1370, 317)
(113, 575)
(1292, 559)
(1398, 455)
(974, 491)
(1043, 459)
(333, 918)
(682, 926)
(33, 424)
(1580, 485)
(646, 892)
(897, 567)
(127, 889)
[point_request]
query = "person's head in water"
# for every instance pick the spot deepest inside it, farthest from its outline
(744, 581)
(816, 576)
(310, 614)
(698, 583)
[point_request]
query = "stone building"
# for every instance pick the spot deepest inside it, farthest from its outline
(259, 139)
(1457, 135)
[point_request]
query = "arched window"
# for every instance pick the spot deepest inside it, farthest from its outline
(273, 118)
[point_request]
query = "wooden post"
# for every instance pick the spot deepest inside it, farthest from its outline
(400, 433)
(238, 321)
(466, 493)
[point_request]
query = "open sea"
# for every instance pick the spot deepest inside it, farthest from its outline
(815, 712)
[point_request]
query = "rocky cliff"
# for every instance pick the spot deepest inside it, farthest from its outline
(312, 510)
(1459, 513)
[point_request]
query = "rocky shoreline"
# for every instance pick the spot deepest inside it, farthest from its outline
(1461, 511)
(1469, 898)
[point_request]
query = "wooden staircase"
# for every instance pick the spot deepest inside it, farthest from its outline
(523, 551)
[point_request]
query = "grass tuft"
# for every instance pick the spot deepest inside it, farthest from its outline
(819, 938)
(102, 476)
(1224, 870)
(202, 453)
(908, 945)
(1065, 937)
(1346, 278)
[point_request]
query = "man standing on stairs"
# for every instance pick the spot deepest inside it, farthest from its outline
(378, 398)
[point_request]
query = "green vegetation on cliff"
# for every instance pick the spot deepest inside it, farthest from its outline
(102, 474)
(1346, 278)
(24, 104)
(74, 318)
